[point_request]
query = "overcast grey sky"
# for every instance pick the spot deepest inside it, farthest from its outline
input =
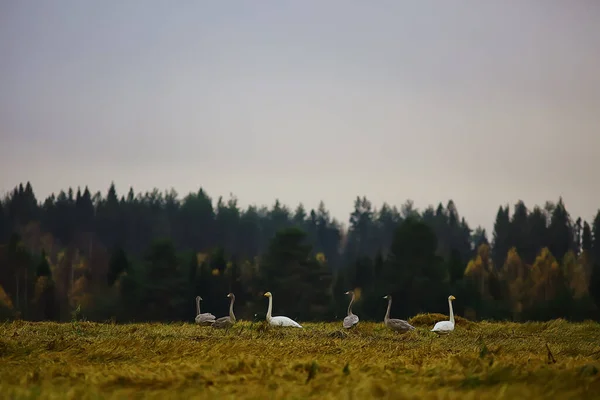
(484, 102)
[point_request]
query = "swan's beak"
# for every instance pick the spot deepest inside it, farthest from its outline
(199, 298)
(385, 297)
(452, 298)
(348, 292)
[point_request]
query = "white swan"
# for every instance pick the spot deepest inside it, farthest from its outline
(445, 327)
(203, 319)
(279, 321)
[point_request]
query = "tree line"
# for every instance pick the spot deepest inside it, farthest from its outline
(145, 256)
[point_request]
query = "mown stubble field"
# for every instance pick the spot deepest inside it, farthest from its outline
(84, 360)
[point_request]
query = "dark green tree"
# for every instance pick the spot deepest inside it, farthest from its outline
(196, 221)
(586, 238)
(45, 290)
(43, 267)
(300, 285)
(227, 223)
(413, 271)
(163, 298)
(594, 286)
(478, 238)
(596, 238)
(501, 242)
(251, 237)
(560, 231)
(117, 265)
(519, 232)
(538, 233)
(4, 226)
(455, 266)
(299, 217)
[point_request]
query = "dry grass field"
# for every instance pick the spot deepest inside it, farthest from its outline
(83, 360)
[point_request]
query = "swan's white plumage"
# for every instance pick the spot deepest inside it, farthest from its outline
(284, 321)
(445, 327)
(279, 321)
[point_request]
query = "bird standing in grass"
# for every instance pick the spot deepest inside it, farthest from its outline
(394, 324)
(279, 321)
(227, 321)
(445, 327)
(203, 319)
(351, 320)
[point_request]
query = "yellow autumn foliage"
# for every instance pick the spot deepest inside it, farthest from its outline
(80, 265)
(585, 261)
(201, 257)
(478, 270)
(483, 251)
(5, 300)
(578, 282)
(575, 275)
(545, 276)
(516, 274)
(216, 272)
(321, 259)
(79, 293)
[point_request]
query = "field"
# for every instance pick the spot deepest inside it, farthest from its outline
(84, 360)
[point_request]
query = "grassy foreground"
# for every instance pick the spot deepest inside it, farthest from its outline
(84, 360)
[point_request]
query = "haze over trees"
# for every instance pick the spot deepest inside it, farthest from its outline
(145, 256)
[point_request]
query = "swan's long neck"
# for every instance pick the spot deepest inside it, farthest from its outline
(270, 308)
(350, 305)
(197, 306)
(231, 315)
(451, 311)
(387, 313)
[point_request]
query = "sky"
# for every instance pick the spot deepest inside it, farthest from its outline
(483, 102)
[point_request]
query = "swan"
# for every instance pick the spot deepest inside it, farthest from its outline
(203, 319)
(279, 321)
(228, 321)
(445, 327)
(394, 324)
(351, 320)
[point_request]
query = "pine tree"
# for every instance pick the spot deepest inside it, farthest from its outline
(501, 236)
(586, 237)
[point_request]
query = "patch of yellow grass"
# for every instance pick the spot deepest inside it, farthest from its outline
(84, 360)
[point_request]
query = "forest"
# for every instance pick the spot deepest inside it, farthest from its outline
(145, 256)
